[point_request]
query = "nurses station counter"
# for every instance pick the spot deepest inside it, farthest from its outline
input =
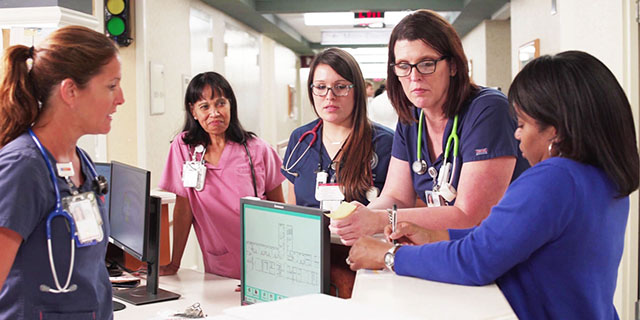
(376, 295)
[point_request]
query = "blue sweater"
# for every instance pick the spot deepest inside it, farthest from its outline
(553, 245)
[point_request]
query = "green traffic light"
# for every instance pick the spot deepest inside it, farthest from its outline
(115, 26)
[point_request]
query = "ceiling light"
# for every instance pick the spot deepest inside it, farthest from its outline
(328, 19)
(393, 17)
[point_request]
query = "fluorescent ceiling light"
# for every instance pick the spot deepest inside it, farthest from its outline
(393, 17)
(328, 19)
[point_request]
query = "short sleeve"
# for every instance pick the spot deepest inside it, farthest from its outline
(383, 142)
(27, 192)
(488, 129)
(272, 163)
(172, 175)
(399, 147)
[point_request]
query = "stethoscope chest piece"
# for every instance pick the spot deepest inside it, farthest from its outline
(372, 193)
(419, 167)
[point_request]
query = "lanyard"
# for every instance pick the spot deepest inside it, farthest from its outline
(329, 167)
(420, 165)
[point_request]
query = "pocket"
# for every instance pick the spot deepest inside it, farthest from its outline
(89, 315)
(244, 181)
(217, 251)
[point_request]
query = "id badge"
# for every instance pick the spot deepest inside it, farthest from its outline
(433, 198)
(329, 192)
(85, 212)
(193, 174)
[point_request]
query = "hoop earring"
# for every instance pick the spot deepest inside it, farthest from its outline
(550, 149)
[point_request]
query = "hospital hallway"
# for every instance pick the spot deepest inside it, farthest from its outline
(264, 49)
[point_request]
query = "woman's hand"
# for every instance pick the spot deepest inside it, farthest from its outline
(410, 233)
(368, 253)
(363, 221)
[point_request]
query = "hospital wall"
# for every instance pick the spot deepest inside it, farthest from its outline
(488, 49)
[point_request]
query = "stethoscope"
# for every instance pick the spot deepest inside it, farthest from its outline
(101, 186)
(314, 136)
(443, 181)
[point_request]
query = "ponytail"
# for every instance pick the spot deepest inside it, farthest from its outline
(18, 99)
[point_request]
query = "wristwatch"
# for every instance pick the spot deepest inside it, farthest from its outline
(389, 257)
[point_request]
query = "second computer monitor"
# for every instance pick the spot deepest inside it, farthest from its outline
(129, 208)
(285, 251)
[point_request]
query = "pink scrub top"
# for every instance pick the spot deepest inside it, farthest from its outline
(216, 209)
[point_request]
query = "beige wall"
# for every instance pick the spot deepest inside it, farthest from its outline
(498, 35)
(488, 47)
(607, 30)
(592, 26)
(475, 44)
(121, 141)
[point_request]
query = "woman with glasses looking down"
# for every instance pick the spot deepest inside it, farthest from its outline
(341, 155)
(453, 147)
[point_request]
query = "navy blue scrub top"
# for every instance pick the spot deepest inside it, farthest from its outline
(305, 182)
(27, 199)
(485, 131)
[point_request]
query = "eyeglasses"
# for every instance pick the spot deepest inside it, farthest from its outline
(427, 66)
(339, 90)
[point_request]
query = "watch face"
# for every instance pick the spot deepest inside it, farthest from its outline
(388, 259)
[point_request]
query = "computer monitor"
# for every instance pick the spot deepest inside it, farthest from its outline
(104, 169)
(285, 251)
(135, 228)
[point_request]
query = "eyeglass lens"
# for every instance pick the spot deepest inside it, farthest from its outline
(339, 90)
(425, 67)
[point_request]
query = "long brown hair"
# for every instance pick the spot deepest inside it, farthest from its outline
(358, 148)
(73, 52)
(430, 28)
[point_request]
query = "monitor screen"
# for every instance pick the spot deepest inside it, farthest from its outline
(104, 169)
(135, 227)
(285, 251)
(129, 207)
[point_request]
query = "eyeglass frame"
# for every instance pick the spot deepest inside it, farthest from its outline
(415, 65)
(349, 87)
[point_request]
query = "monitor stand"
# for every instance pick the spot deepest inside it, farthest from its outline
(117, 306)
(141, 295)
(149, 293)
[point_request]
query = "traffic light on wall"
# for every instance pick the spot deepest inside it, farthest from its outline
(116, 21)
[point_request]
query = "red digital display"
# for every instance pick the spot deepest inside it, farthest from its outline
(368, 14)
